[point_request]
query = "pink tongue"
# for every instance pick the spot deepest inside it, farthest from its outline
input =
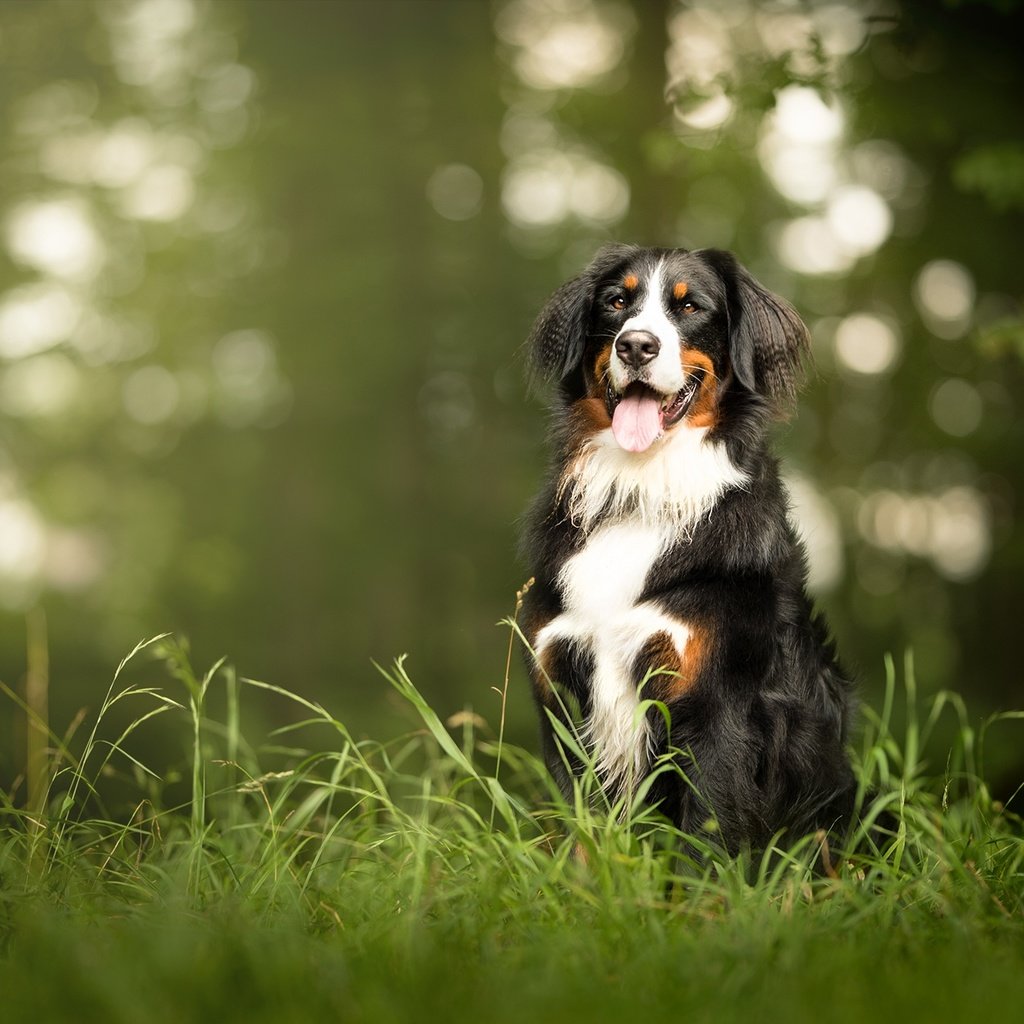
(636, 422)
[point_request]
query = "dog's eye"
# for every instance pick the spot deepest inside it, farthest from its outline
(617, 302)
(690, 307)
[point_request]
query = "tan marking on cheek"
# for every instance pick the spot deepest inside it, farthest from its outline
(599, 373)
(585, 418)
(703, 411)
(680, 290)
(631, 282)
(694, 359)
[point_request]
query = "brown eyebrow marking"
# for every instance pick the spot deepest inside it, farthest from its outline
(680, 289)
(630, 281)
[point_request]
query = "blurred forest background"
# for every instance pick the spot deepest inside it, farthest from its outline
(266, 266)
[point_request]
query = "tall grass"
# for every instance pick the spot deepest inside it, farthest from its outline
(441, 872)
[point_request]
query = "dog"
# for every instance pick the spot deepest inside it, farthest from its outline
(669, 622)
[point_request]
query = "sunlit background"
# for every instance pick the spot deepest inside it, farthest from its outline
(266, 267)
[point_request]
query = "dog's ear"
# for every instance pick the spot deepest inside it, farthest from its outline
(556, 342)
(768, 341)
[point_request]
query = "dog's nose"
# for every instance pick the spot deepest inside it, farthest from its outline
(635, 348)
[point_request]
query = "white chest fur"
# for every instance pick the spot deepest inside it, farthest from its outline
(601, 586)
(676, 482)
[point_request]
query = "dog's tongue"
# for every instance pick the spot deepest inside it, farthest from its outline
(636, 422)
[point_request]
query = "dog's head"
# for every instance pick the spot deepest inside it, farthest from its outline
(655, 338)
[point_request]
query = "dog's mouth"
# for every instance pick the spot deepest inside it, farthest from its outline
(640, 414)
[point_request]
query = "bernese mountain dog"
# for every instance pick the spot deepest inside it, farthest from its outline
(669, 625)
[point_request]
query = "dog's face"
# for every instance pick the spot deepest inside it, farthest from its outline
(656, 352)
(655, 338)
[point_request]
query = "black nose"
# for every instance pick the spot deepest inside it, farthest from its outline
(635, 348)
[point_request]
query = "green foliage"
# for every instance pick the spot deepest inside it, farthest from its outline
(996, 172)
(440, 874)
(1003, 337)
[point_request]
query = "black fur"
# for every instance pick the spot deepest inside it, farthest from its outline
(762, 725)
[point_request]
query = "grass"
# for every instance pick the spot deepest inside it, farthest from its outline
(438, 876)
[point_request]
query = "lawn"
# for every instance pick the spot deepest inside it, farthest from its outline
(438, 876)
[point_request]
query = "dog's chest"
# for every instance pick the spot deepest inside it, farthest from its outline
(605, 579)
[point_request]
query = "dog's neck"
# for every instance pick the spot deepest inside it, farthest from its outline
(676, 482)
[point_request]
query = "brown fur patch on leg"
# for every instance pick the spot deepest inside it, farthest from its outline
(677, 674)
(544, 674)
(540, 669)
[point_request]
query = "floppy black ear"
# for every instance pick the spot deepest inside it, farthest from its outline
(558, 335)
(558, 338)
(767, 339)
